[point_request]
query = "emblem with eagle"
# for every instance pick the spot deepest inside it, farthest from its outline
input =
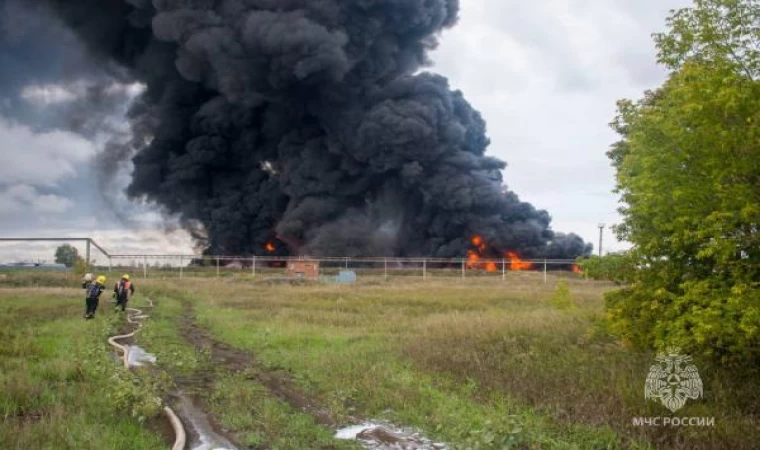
(673, 380)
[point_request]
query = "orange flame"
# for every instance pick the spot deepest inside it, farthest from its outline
(577, 268)
(517, 264)
(473, 257)
(270, 247)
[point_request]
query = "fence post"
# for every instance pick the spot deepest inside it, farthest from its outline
(346, 262)
(424, 269)
(87, 261)
(145, 267)
(544, 271)
(385, 260)
(462, 268)
(217, 267)
(503, 269)
(253, 266)
(181, 261)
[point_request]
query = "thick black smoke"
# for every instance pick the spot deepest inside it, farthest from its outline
(47, 79)
(308, 124)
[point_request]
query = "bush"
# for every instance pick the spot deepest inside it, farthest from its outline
(617, 267)
(710, 317)
(562, 299)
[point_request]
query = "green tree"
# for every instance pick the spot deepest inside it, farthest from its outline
(689, 174)
(67, 255)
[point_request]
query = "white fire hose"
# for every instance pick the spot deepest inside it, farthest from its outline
(132, 317)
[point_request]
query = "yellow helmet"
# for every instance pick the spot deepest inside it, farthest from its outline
(101, 280)
(125, 277)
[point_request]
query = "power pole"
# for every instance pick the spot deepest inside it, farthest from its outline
(601, 233)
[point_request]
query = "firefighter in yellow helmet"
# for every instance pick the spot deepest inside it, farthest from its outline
(93, 296)
(123, 291)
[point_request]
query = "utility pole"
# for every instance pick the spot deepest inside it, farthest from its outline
(601, 233)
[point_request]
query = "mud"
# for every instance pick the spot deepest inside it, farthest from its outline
(370, 435)
(383, 436)
(196, 424)
(236, 360)
(200, 431)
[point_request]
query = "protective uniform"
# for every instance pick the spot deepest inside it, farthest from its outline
(93, 296)
(123, 291)
(86, 283)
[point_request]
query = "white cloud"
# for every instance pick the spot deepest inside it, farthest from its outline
(41, 159)
(57, 93)
(48, 94)
(116, 241)
(23, 198)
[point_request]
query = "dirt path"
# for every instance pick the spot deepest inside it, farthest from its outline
(232, 359)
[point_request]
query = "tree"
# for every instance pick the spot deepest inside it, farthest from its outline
(67, 255)
(689, 174)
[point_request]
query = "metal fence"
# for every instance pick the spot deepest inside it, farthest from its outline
(425, 268)
(181, 266)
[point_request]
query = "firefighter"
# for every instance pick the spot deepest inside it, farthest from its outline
(93, 296)
(123, 291)
(86, 283)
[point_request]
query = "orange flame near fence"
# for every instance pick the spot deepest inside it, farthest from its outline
(474, 256)
(517, 264)
(270, 247)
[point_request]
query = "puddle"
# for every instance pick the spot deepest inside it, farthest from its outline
(383, 436)
(137, 356)
(200, 432)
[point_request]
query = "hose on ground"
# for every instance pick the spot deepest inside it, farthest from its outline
(132, 317)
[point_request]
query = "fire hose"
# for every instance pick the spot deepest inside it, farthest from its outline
(133, 316)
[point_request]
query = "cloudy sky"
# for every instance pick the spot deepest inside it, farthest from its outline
(546, 76)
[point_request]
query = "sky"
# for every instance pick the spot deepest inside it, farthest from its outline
(545, 75)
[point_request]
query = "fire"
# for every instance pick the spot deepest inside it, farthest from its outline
(474, 257)
(577, 268)
(270, 247)
(517, 264)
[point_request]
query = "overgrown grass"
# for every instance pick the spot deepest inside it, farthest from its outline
(38, 278)
(480, 364)
(254, 417)
(468, 362)
(260, 420)
(59, 387)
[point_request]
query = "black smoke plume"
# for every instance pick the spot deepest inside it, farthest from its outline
(307, 124)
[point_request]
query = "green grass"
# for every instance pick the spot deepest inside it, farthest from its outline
(480, 364)
(57, 381)
(260, 420)
(254, 417)
(467, 361)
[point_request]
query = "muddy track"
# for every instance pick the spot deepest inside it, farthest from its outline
(232, 359)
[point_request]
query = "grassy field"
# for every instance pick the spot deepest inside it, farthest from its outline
(483, 364)
(58, 387)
